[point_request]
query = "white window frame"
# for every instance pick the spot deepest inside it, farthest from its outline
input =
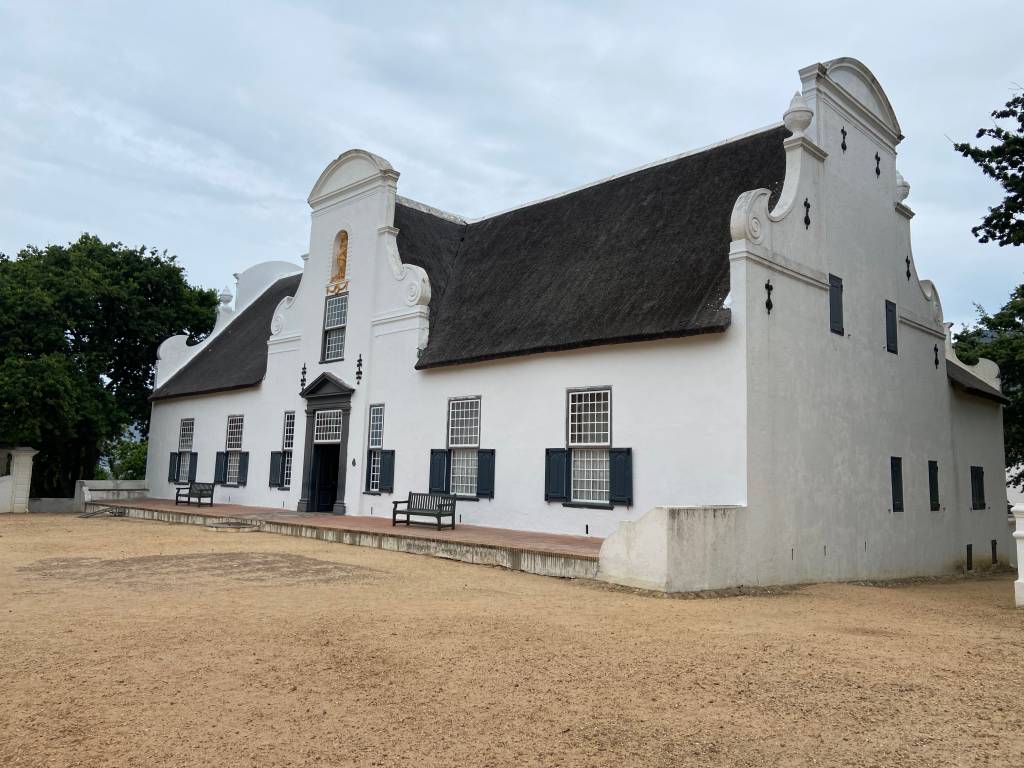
(287, 446)
(375, 441)
(233, 449)
(464, 423)
(328, 425)
(334, 325)
(186, 439)
(589, 447)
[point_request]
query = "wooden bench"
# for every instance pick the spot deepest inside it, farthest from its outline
(197, 491)
(436, 505)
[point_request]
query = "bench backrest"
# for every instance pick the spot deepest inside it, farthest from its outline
(201, 490)
(432, 502)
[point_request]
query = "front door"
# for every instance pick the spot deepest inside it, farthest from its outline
(325, 469)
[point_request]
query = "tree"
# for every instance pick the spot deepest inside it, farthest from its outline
(1002, 160)
(79, 329)
(127, 458)
(1000, 338)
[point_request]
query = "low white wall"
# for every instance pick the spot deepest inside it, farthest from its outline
(677, 549)
(87, 491)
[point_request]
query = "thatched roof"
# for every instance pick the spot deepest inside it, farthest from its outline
(640, 256)
(237, 356)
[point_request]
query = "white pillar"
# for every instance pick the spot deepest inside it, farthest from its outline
(1018, 585)
(14, 487)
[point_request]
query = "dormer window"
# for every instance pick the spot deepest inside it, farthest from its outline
(335, 320)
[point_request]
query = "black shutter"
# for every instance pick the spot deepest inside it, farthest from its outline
(220, 468)
(556, 474)
(896, 469)
(276, 467)
(387, 471)
(977, 488)
(933, 485)
(172, 469)
(192, 465)
(835, 304)
(890, 328)
(369, 466)
(438, 470)
(243, 467)
(620, 489)
(485, 473)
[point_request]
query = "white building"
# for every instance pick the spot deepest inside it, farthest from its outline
(741, 328)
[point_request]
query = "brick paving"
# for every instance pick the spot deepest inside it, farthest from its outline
(586, 547)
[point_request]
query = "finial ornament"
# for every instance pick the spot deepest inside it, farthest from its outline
(902, 188)
(225, 296)
(798, 117)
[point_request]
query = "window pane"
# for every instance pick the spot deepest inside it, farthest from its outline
(374, 471)
(185, 434)
(464, 468)
(376, 436)
(334, 344)
(327, 427)
(184, 463)
(590, 417)
(234, 438)
(288, 439)
(590, 475)
(464, 423)
(233, 461)
(336, 312)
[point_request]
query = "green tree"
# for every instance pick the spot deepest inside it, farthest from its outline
(126, 457)
(1000, 338)
(1002, 160)
(79, 329)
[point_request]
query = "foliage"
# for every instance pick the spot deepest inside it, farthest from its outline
(1000, 338)
(127, 459)
(1002, 160)
(79, 329)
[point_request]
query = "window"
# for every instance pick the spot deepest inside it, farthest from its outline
(463, 443)
(327, 426)
(589, 443)
(335, 320)
(186, 435)
(896, 471)
(287, 444)
(233, 447)
(375, 442)
(890, 328)
(933, 485)
(977, 488)
(835, 304)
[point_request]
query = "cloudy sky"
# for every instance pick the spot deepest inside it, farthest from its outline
(199, 127)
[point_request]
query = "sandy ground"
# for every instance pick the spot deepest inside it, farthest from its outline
(128, 643)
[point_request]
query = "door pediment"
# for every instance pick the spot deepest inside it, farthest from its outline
(326, 386)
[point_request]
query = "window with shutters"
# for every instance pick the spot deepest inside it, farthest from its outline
(977, 488)
(589, 424)
(186, 435)
(375, 441)
(835, 304)
(464, 444)
(233, 448)
(287, 445)
(335, 320)
(891, 331)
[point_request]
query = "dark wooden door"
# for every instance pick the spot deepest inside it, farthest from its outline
(325, 467)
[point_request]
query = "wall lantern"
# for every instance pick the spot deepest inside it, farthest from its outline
(768, 289)
(302, 378)
(359, 369)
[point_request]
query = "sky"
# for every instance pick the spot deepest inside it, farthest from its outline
(200, 127)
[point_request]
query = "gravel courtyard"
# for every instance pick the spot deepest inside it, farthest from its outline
(128, 643)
